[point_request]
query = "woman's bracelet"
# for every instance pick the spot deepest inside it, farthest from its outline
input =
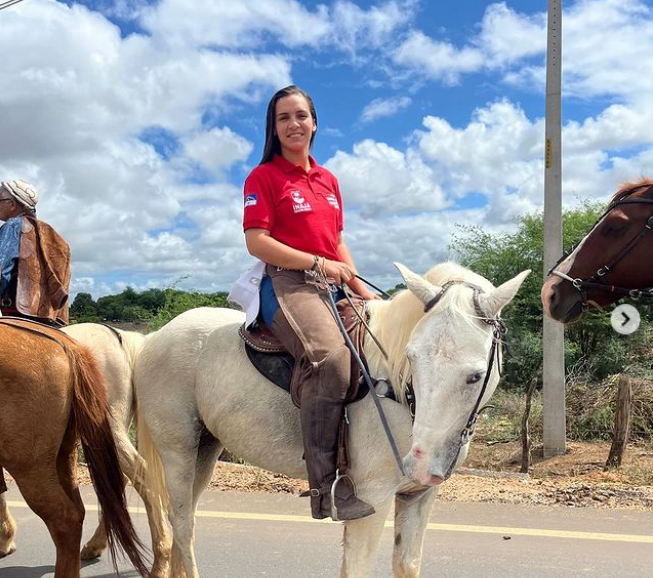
(316, 263)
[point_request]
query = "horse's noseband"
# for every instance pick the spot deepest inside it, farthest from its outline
(598, 281)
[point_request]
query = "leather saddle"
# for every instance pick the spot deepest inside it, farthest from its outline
(270, 358)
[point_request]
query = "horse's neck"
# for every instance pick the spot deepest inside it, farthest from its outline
(392, 323)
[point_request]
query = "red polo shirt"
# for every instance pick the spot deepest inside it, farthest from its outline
(300, 209)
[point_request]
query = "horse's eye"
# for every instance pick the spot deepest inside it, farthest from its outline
(474, 377)
(615, 227)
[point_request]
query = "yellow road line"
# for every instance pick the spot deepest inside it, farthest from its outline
(505, 531)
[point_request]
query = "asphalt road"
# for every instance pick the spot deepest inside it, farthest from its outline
(271, 536)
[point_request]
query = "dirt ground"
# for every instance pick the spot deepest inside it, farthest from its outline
(491, 474)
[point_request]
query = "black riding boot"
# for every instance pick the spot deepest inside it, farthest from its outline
(321, 412)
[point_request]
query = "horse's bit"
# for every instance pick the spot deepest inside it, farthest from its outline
(597, 281)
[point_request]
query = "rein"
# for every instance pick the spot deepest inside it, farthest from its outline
(598, 281)
(368, 380)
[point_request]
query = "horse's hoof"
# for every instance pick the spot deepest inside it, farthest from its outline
(160, 571)
(8, 551)
(90, 552)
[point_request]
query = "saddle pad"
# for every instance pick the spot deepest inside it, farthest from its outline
(278, 368)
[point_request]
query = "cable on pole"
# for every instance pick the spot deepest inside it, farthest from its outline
(8, 3)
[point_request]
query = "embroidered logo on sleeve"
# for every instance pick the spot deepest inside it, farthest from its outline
(333, 200)
(250, 200)
(300, 205)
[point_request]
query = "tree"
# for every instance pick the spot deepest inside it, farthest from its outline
(83, 306)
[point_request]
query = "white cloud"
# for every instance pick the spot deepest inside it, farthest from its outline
(228, 24)
(602, 40)
(353, 28)
(225, 23)
(382, 107)
(507, 36)
(217, 149)
(380, 181)
(437, 60)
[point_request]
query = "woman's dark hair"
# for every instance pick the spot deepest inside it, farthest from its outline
(272, 145)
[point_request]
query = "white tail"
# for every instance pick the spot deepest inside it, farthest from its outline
(153, 474)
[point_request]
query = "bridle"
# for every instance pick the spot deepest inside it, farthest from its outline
(598, 280)
(498, 339)
(499, 331)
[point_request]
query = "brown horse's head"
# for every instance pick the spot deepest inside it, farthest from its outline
(614, 256)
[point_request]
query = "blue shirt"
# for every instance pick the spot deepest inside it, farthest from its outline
(9, 249)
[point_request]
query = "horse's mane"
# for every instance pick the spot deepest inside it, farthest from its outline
(641, 184)
(393, 321)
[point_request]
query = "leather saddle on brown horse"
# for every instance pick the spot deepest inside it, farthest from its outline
(272, 360)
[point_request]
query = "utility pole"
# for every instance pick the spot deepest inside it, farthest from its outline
(555, 435)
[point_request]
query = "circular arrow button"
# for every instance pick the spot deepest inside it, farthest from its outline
(625, 319)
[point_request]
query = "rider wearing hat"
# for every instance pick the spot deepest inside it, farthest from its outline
(34, 259)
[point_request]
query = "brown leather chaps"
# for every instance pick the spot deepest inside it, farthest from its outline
(306, 326)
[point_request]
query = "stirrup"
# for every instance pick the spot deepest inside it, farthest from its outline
(334, 508)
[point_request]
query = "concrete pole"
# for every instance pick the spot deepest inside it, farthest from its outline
(554, 358)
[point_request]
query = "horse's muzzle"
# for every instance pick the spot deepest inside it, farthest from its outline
(561, 300)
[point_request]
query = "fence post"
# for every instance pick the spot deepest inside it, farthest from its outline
(525, 436)
(621, 424)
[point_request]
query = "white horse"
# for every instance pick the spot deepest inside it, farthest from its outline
(198, 393)
(115, 352)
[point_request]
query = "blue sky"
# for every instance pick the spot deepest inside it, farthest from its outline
(138, 121)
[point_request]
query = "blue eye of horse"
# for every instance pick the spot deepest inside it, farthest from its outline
(474, 378)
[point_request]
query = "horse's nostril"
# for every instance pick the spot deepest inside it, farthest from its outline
(417, 452)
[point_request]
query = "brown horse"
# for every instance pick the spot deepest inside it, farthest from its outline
(611, 262)
(52, 394)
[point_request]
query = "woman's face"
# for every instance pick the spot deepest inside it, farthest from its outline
(294, 124)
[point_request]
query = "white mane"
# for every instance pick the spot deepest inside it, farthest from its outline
(393, 321)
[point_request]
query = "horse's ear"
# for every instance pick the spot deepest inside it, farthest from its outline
(492, 303)
(417, 285)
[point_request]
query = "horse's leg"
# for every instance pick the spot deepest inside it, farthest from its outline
(411, 516)
(49, 500)
(133, 466)
(361, 537)
(7, 528)
(208, 451)
(97, 543)
(179, 464)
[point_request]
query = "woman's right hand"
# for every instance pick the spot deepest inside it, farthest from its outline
(338, 271)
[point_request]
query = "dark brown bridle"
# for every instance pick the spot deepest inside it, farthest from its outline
(598, 280)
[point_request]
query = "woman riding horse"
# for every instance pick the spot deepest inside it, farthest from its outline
(293, 222)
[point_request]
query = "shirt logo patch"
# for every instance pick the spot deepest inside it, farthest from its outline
(333, 201)
(251, 200)
(297, 196)
(299, 202)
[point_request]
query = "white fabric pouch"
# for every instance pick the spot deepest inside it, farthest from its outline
(245, 292)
